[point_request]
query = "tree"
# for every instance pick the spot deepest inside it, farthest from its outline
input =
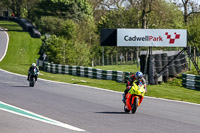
(70, 42)
(57, 26)
(146, 9)
(194, 31)
(165, 15)
(21, 8)
(16, 6)
(189, 7)
(76, 9)
(29, 5)
(60, 50)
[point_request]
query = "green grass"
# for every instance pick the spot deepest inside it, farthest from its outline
(106, 84)
(23, 50)
(125, 68)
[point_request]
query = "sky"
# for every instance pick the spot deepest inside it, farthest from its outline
(196, 1)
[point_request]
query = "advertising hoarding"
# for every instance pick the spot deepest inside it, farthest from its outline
(152, 37)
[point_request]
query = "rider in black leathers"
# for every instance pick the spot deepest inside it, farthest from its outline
(32, 67)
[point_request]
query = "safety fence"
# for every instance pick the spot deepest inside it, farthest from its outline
(82, 71)
(191, 81)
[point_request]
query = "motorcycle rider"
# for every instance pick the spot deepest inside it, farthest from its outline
(31, 68)
(139, 79)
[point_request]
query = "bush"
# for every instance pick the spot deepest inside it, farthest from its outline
(57, 26)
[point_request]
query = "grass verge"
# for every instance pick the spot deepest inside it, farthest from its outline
(23, 50)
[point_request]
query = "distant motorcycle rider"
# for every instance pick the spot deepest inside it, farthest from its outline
(139, 79)
(31, 69)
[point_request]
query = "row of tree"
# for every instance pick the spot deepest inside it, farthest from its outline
(75, 25)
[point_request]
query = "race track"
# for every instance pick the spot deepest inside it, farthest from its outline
(4, 39)
(66, 108)
(90, 109)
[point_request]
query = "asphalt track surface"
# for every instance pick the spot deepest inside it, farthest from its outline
(91, 109)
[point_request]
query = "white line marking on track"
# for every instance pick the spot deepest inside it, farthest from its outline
(6, 46)
(18, 111)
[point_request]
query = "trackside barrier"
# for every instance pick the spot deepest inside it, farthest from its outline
(82, 71)
(26, 25)
(191, 81)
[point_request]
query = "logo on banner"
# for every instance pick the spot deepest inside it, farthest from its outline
(172, 40)
(145, 38)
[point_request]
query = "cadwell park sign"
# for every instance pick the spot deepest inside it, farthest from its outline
(144, 37)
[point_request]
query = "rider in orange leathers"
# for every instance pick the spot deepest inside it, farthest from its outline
(138, 78)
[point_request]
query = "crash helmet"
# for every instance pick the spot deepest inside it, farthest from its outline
(139, 75)
(33, 65)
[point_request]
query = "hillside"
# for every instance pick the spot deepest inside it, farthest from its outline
(22, 49)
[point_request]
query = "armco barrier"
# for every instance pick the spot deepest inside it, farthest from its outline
(89, 72)
(191, 81)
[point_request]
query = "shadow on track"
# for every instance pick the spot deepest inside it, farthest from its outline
(19, 86)
(14, 30)
(112, 113)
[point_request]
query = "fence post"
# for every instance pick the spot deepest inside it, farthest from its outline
(111, 59)
(116, 58)
(102, 56)
(131, 56)
(107, 60)
(126, 58)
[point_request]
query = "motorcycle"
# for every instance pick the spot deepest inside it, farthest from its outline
(32, 77)
(134, 98)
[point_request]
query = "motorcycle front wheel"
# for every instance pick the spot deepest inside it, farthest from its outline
(32, 82)
(134, 106)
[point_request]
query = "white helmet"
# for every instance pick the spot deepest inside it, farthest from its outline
(33, 65)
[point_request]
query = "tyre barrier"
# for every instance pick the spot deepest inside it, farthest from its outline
(26, 25)
(158, 63)
(183, 61)
(151, 69)
(82, 71)
(191, 81)
(142, 63)
(161, 59)
(177, 64)
(171, 68)
(164, 63)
